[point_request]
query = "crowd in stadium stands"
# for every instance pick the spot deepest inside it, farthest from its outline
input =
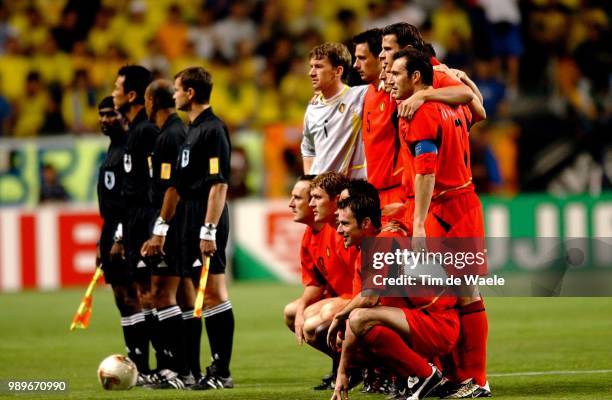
(538, 63)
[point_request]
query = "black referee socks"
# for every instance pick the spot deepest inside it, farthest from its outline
(192, 329)
(153, 336)
(136, 340)
(171, 338)
(220, 329)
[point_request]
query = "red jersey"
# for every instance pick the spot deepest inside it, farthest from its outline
(326, 262)
(381, 143)
(408, 160)
(447, 128)
(441, 79)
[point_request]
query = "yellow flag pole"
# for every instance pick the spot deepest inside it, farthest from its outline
(81, 318)
(199, 302)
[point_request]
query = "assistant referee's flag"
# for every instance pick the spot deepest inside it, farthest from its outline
(199, 301)
(81, 318)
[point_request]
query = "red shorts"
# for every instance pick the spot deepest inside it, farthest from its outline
(432, 333)
(456, 216)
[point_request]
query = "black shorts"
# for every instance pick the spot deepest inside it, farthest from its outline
(189, 219)
(115, 272)
(168, 265)
(136, 231)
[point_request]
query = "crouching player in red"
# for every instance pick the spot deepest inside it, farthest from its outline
(327, 265)
(446, 205)
(398, 334)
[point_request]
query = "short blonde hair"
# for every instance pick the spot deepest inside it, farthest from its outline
(337, 54)
(331, 182)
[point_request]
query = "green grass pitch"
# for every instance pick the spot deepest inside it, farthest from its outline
(526, 335)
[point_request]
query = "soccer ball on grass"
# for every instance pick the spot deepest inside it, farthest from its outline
(117, 372)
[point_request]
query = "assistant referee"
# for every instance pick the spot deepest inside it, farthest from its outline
(202, 216)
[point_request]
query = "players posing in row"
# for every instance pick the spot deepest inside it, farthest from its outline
(442, 179)
(164, 238)
(394, 38)
(345, 126)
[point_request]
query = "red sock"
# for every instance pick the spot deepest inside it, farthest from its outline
(387, 345)
(472, 346)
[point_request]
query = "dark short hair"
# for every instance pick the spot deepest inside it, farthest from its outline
(361, 186)
(363, 206)
(137, 78)
(162, 91)
(331, 182)
(306, 177)
(417, 60)
(373, 38)
(198, 79)
(106, 102)
(405, 34)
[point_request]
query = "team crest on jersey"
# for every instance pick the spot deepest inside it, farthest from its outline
(342, 107)
(382, 106)
(127, 162)
(109, 180)
(185, 158)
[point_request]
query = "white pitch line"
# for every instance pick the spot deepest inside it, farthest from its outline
(539, 373)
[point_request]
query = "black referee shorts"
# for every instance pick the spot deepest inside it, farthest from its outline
(115, 272)
(168, 264)
(136, 231)
(189, 219)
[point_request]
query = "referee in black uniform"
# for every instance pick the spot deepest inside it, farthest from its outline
(112, 210)
(202, 214)
(160, 250)
(128, 97)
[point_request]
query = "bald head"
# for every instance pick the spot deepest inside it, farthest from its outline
(159, 96)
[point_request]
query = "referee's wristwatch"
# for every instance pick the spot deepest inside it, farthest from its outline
(208, 231)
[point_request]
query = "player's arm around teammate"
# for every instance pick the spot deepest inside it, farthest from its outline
(476, 106)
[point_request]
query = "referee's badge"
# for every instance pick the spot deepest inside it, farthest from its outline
(127, 162)
(185, 158)
(213, 165)
(109, 180)
(166, 169)
(342, 107)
